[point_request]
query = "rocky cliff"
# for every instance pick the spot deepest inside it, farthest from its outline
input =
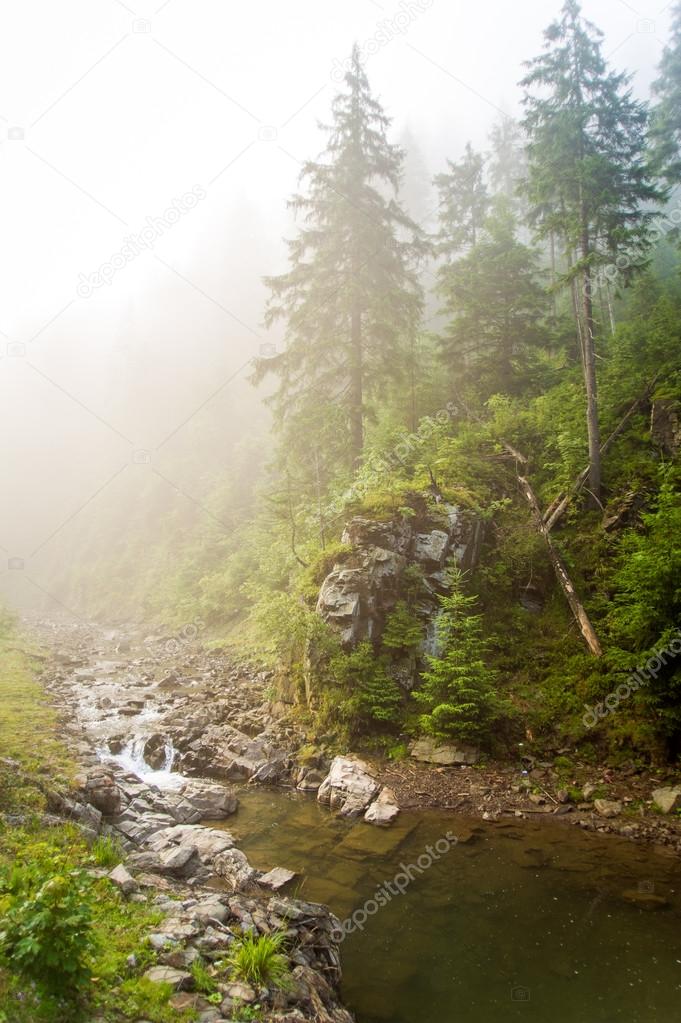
(359, 593)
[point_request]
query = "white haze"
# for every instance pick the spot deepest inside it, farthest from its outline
(109, 112)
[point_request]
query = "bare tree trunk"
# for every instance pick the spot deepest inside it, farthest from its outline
(557, 508)
(356, 388)
(588, 343)
(576, 606)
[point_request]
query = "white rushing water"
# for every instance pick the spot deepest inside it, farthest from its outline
(131, 758)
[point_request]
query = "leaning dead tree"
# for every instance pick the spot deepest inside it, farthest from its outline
(578, 610)
(576, 606)
(558, 507)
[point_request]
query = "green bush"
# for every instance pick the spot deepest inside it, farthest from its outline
(46, 933)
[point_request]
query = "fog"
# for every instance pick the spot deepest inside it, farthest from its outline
(147, 154)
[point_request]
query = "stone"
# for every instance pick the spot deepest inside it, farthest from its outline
(350, 781)
(207, 841)
(234, 867)
(210, 910)
(608, 807)
(124, 881)
(101, 790)
(428, 751)
(213, 801)
(645, 900)
(240, 991)
(667, 799)
(178, 979)
(178, 860)
(384, 808)
(588, 791)
(276, 878)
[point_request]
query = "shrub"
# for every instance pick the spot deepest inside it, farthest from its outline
(258, 959)
(459, 690)
(46, 932)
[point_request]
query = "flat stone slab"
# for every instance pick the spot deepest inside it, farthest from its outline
(167, 975)
(276, 878)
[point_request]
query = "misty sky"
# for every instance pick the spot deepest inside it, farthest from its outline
(111, 111)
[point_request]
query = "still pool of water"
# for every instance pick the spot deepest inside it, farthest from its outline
(517, 921)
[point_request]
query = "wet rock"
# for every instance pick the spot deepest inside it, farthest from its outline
(428, 751)
(645, 900)
(276, 878)
(667, 799)
(607, 807)
(214, 802)
(348, 787)
(310, 781)
(384, 808)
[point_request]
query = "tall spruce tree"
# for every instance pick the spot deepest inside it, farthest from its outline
(351, 298)
(496, 308)
(464, 202)
(589, 180)
(666, 123)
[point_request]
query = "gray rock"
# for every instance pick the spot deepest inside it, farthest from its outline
(276, 878)
(124, 881)
(667, 799)
(384, 808)
(607, 807)
(235, 868)
(348, 787)
(178, 979)
(428, 751)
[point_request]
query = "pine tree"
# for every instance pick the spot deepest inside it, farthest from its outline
(589, 181)
(507, 162)
(459, 689)
(351, 298)
(666, 123)
(464, 202)
(496, 308)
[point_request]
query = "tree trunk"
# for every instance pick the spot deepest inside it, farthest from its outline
(588, 344)
(356, 388)
(577, 608)
(556, 509)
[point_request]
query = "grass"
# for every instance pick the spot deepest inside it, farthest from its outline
(106, 851)
(259, 960)
(117, 990)
(27, 724)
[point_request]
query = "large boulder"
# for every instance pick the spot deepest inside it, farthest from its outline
(349, 787)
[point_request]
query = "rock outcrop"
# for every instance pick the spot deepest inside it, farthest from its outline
(361, 591)
(351, 789)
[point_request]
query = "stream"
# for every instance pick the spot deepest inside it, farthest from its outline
(517, 920)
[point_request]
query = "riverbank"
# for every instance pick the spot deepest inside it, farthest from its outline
(185, 931)
(221, 724)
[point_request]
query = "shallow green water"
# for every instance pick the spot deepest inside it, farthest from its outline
(522, 921)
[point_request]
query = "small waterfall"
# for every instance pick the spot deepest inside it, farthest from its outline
(131, 758)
